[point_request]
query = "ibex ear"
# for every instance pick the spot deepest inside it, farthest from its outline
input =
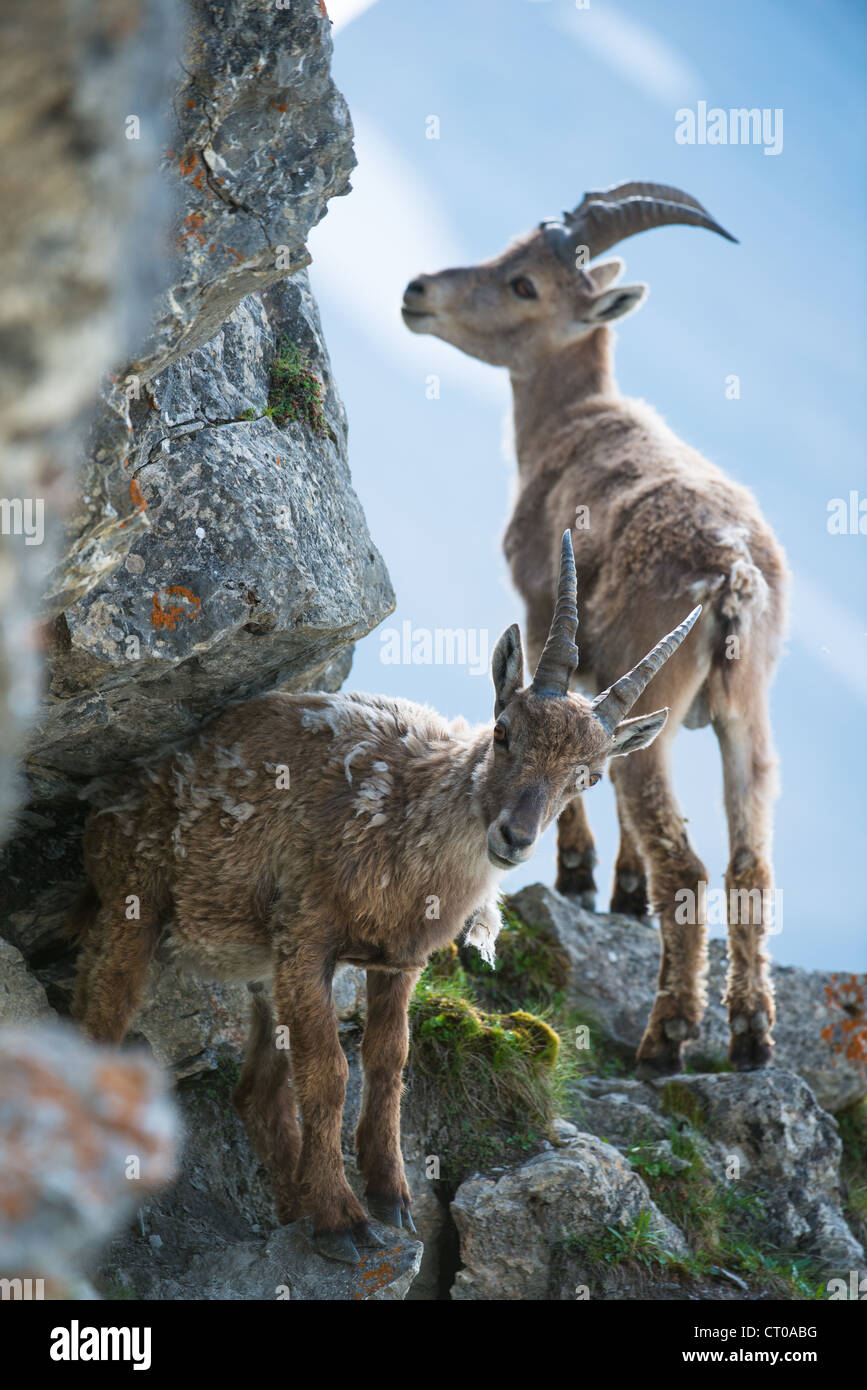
(606, 272)
(614, 304)
(632, 734)
(507, 667)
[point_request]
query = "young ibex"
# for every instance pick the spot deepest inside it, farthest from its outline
(304, 830)
(656, 527)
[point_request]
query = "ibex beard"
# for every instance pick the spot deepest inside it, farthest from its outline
(274, 880)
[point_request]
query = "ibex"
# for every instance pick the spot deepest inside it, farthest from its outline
(656, 527)
(303, 830)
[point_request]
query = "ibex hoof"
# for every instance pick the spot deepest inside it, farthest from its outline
(575, 876)
(342, 1245)
(629, 898)
(751, 1046)
(665, 1063)
(391, 1213)
(337, 1245)
(584, 897)
(676, 1029)
(365, 1237)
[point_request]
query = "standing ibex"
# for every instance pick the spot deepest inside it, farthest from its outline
(656, 527)
(303, 830)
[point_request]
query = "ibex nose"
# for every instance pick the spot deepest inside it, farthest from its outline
(415, 287)
(516, 839)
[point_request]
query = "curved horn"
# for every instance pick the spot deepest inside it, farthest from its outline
(604, 218)
(560, 656)
(619, 191)
(614, 704)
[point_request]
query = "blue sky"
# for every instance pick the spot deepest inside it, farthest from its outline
(538, 101)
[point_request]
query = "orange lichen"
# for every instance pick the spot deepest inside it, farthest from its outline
(193, 223)
(188, 163)
(847, 1036)
(170, 615)
(375, 1272)
(137, 497)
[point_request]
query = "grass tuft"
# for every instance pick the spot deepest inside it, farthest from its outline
(295, 391)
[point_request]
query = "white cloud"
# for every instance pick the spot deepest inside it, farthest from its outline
(633, 51)
(388, 229)
(342, 12)
(830, 634)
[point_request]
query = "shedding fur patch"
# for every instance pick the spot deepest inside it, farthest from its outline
(484, 929)
(745, 589)
(371, 798)
(331, 716)
(358, 751)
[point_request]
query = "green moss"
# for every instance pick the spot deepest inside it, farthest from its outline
(705, 1063)
(219, 1083)
(680, 1100)
(295, 392)
(487, 1078)
(853, 1165)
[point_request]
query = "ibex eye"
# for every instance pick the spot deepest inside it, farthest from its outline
(594, 778)
(499, 734)
(524, 288)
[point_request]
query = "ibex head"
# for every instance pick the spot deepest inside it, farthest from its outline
(541, 294)
(548, 743)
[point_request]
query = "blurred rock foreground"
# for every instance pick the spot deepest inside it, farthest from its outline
(197, 552)
(206, 552)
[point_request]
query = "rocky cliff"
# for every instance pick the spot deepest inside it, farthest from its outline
(175, 409)
(540, 1168)
(212, 546)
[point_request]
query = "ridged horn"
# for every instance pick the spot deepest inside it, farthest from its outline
(608, 216)
(614, 704)
(559, 658)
